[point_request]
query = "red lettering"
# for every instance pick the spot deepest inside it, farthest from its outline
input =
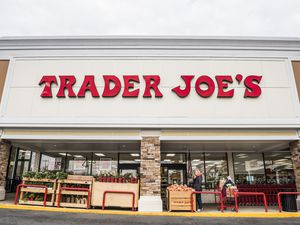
(48, 80)
(210, 86)
(66, 82)
(184, 92)
(222, 82)
(88, 85)
(111, 92)
(152, 82)
(128, 85)
(253, 90)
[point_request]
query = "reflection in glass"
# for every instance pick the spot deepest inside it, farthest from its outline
(249, 168)
(215, 168)
(52, 161)
(105, 163)
(279, 168)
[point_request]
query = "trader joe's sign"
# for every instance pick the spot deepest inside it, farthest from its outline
(204, 86)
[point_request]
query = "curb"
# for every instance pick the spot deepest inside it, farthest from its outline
(130, 213)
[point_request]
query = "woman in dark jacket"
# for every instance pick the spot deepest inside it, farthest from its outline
(197, 185)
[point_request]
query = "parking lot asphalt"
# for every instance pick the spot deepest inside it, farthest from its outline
(28, 217)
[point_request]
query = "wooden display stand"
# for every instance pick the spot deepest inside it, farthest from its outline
(35, 190)
(73, 198)
(114, 199)
(180, 200)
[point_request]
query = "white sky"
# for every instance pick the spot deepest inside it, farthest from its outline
(151, 17)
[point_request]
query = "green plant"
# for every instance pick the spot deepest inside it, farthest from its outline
(29, 174)
(127, 176)
(50, 175)
(61, 175)
(40, 175)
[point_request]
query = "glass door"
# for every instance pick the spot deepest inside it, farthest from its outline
(172, 174)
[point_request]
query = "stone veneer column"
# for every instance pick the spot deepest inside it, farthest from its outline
(295, 152)
(4, 155)
(150, 198)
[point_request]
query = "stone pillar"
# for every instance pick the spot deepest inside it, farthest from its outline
(295, 152)
(230, 165)
(36, 161)
(150, 198)
(4, 156)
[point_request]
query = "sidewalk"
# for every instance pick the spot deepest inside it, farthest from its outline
(210, 211)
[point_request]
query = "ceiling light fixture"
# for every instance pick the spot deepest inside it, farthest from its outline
(64, 154)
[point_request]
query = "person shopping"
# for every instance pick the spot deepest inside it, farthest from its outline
(197, 185)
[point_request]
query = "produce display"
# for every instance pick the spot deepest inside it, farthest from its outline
(35, 195)
(111, 178)
(179, 197)
(45, 175)
(73, 190)
(74, 198)
(177, 187)
(122, 183)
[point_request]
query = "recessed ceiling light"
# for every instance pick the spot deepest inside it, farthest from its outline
(196, 160)
(78, 156)
(135, 154)
(171, 154)
(167, 160)
(64, 154)
(99, 154)
(137, 160)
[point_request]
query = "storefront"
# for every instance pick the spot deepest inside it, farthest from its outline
(156, 108)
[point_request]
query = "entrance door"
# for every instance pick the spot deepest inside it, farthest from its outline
(20, 162)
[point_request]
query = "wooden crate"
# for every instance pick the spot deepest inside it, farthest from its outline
(74, 180)
(51, 191)
(115, 200)
(180, 200)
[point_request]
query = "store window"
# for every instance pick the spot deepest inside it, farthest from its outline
(215, 168)
(249, 168)
(129, 158)
(79, 163)
(23, 162)
(10, 173)
(279, 168)
(104, 162)
(172, 158)
(11, 182)
(52, 161)
(32, 164)
(197, 162)
(129, 163)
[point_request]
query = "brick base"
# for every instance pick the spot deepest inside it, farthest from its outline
(4, 156)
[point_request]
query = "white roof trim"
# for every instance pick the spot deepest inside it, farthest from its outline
(149, 42)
